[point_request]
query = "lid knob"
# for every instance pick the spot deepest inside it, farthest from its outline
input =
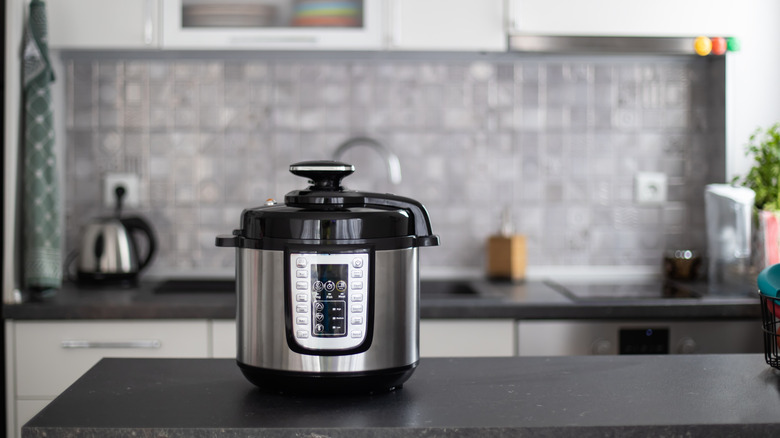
(323, 175)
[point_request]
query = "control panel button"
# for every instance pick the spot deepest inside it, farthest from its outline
(302, 285)
(330, 286)
(358, 297)
(302, 334)
(318, 307)
(301, 262)
(300, 273)
(357, 262)
(356, 273)
(341, 285)
(357, 333)
(318, 286)
(301, 308)
(319, 317)
(302, 320)
(319, 328)
(356, 320)
(302, 298)
(357, 285)
(357, 308)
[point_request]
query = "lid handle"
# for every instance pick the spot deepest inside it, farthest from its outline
(422, 222)
(323, 175)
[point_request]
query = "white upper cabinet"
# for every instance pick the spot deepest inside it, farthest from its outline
(103, 24)
(678, 18)
(435, 25)
(272, 24)
(467, 25)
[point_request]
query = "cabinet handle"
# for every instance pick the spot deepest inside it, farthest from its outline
(272, 39)
(511, 18)
(149, 23)
(394, 37)
(111, 344)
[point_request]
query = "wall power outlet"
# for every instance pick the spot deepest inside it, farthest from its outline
(127, 180)
(650, 188)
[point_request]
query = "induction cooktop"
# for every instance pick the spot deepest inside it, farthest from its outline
(642, 290)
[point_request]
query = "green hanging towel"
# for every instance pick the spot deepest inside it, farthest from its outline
(42, 233)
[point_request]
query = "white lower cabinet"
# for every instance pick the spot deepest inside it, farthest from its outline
(45, 357)
(438, 338)
(223, 338)
(467, 337)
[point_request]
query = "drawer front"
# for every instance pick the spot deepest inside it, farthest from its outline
(467, 338)
(223, 334)
(51, 355)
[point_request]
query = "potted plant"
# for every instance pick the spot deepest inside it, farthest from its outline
(764, 179)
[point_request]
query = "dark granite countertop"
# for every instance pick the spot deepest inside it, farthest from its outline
(580, 396)
(529, 300)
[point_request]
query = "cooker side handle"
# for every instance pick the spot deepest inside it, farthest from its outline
(422, 222)
(227, 241)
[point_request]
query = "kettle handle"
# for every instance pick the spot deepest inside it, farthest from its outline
(137, 223)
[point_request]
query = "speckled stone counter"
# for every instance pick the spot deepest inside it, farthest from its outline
(529, 300)
(627, 396)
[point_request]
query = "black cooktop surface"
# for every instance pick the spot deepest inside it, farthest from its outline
(644, 290)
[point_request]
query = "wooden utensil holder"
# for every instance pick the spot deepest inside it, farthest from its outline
(506, 257)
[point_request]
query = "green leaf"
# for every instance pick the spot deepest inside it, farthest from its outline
(764, 176)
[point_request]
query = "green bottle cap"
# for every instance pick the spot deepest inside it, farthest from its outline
(733, 44)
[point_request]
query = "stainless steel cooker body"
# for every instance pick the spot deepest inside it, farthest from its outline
(328, 286)
(266, 346)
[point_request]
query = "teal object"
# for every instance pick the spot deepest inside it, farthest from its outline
(769, 281)
(42, 230)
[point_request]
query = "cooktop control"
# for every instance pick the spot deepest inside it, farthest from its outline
(329, 299)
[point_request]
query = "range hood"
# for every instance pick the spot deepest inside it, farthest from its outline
(614, 44)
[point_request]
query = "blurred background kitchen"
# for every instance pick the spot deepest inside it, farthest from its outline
(208, 121)
(588, 129)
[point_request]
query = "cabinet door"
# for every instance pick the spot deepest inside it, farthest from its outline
(566, 338)
(622, 18)
(447, 25)
(467, 338)
(223, 339)
(51, 355)
(103, 24)
(215, 24)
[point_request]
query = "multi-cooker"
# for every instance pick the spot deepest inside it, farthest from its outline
(328, 286)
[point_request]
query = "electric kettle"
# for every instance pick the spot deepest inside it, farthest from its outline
(109, 249)
(729, 212)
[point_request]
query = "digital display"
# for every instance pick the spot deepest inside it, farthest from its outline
(329, 293)
(326, 273)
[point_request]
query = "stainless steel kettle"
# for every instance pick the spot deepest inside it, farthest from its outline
(109, 250)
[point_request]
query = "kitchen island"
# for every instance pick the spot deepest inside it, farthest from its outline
(701, 395)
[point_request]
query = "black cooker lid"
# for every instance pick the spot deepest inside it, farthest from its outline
(326, 212)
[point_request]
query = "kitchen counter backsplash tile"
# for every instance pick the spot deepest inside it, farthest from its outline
(559, 142)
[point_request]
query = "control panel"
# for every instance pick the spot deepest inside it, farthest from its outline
(329, 299)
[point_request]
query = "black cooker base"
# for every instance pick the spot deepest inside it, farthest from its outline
(313, 382)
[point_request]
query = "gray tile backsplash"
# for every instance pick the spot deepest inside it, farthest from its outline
(557, 141)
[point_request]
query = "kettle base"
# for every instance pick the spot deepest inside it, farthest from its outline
(330, 382)
(114, 279)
